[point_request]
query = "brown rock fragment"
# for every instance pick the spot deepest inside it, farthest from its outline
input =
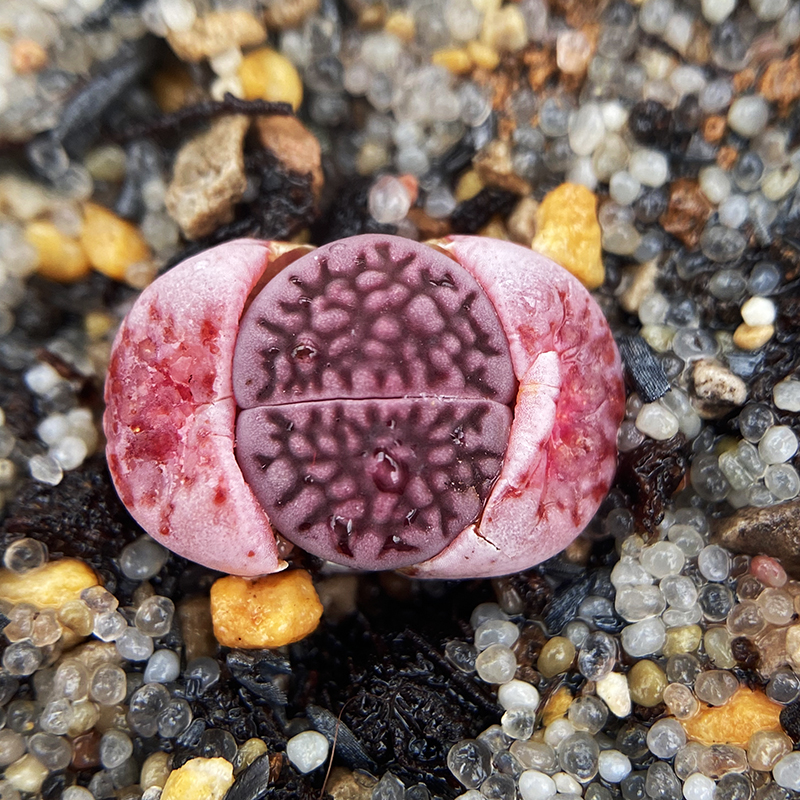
(288, 13)
(294, 146)
(714, 128)
(687, 212)
(194, 616)
(216, 32)
(726, 157)
(346, 785)
(493, 165)
(773, 531)
(208, 178)
(780, 82)
(522, 221)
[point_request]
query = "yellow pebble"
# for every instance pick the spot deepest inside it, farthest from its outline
(61, 258)
(27, 774)
(173, 88)
(752, 337)
(567, 231)
(401, 24)
(557, 705)
(155, 770)
(682, 639)
(267, 75)
(556, 656)
(206, 778)
(743, 715)
(97, 324)
(50, 586)
(248, 753)
(266, 612)
(111, 244)
(647, 682)
(453, 59)
(483, 55)
(469, 184)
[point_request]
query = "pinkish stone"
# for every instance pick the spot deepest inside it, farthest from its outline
(171, 414)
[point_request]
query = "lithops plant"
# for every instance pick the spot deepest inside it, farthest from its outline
(450, 410)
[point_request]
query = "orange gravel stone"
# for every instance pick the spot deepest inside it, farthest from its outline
(746, 713)
(266, 612)
(569, 233)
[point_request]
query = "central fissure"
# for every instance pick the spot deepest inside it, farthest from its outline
(375, 393)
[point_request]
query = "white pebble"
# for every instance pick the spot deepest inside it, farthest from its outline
(615, 115)
(162, 667)
(733, 210)
(45, 469)
(518, 693)
(613, 766)
(615, 692)
(656, 422)
(759, 311)
(699, 787)
(535, 785)
(586, 129)
(769, 10)
(649, 167)
(786, 395)
(307, 751)
(748, 115)
(778, 445)
(786, 772)
(662, 559)
(557, 731)
(716, 11)
(644, 638)
(41, 379)
(623, 188)
(715, 184)
(389, 201)
(53, 428)
(70, 452)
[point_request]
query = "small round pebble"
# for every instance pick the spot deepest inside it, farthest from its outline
(496, 664)
(307, 751)
(613, 766)
(787, 772)
(519, 694)
(535, 785)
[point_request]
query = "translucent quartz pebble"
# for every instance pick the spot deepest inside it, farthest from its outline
(661, 782)
(714, 563)
(99, 600)
(588, 713)
(778, 444)
(12, 747)
(578, 755)
(145, 705)
(679, 591)
(715, 686)
(461, 655)
(22, 658)
(537, 756)
(518, 722)
(498, 786)
(635, 603)
(163, 666)
(783, 481)
(134, 645)
(746, 619)
(786, 395)
(535, 785)
(71, 681)
(688, 540)
(201, 673)
(629, 572)
(174, 718)
(716, 601)
(754, 421)
(484, 612)
(154, 616)
(309, 750)
(688, 759)
(783, 686)
(644, 638)
(657, 422)
(496, 632)
(717, 642)
(777, 606)
(519, 694)
(23, 555)
(613, 766)
(108, 685)
(673, 618)
(680, 701)
(786, 772)
(470, 761)
(597, 656)
(557, 731)
(115, 749)
(665, 738)
(766, 748)
(52, 751)
(142, 559)
(496, 664)
(698, 787)
(109, 626)
(662, 559)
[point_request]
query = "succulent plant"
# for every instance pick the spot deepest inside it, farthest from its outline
(449, 409)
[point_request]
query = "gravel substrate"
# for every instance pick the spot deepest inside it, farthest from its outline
(653, 149)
